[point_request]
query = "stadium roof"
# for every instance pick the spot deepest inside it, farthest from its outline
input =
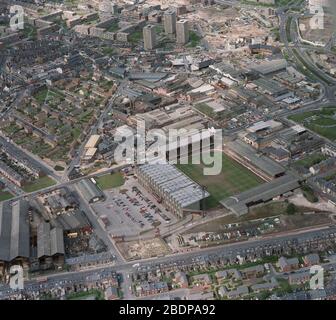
(247, 152)
(263, 193)
(43, 240)
(180, 188)
(72, 220)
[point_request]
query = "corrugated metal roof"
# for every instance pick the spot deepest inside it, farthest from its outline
(89, 190)
(267, 191)
(265, 164)
(180, 188)
(49, 241)
(14, 230)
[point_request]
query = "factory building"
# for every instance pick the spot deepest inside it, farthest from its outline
(90, 191)
(50, 245)
(269, 67)
(14, 233)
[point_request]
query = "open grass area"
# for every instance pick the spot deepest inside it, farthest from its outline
(58, 168)
(5, 195)
(109, 181)
(311, 160)
(194, 39)
(257, 4)
(322, 121)
(108, 51)
(136, 36)
(205, 109)
(41, 95)
(38, 184)
(45, 94)
(29, 31)
(330, 177)
(329, 133)
(233, 178)
(309, 193)
(113, 27)
(288, 28)
(93, 294)
(159, 29)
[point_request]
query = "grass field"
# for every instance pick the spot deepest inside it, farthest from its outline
(195, 39)
(311, 160)
(135, 37)
(204, 108)
(113, 27)
(5, 195)
(233, 179)
(46, 94)
(38, 184)
(323, 121)
(109, 181)
(93, 294)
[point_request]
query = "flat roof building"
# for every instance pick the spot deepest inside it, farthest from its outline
(182, 31)
(269, 126)
(269, 67)
(170, 22)
(93, 141)
(149, 37)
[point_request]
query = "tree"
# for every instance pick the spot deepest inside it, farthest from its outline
(291, 209)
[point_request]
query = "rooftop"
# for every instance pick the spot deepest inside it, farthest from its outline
(265, 164)
(177, 185)
(14, 230)
(267, 191)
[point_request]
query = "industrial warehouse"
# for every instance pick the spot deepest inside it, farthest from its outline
(14, 233)
(90, 191)
(21, 243)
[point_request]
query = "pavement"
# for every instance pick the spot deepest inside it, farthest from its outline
(123, 266)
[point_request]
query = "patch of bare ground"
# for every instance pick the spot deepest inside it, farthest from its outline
(300, 219)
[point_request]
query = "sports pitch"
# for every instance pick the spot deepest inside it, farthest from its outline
(233, 178)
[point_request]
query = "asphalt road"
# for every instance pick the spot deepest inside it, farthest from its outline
(57, 279)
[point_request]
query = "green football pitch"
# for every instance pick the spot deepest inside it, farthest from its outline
(233, 178)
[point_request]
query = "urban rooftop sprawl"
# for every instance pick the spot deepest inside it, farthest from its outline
(75, 76)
